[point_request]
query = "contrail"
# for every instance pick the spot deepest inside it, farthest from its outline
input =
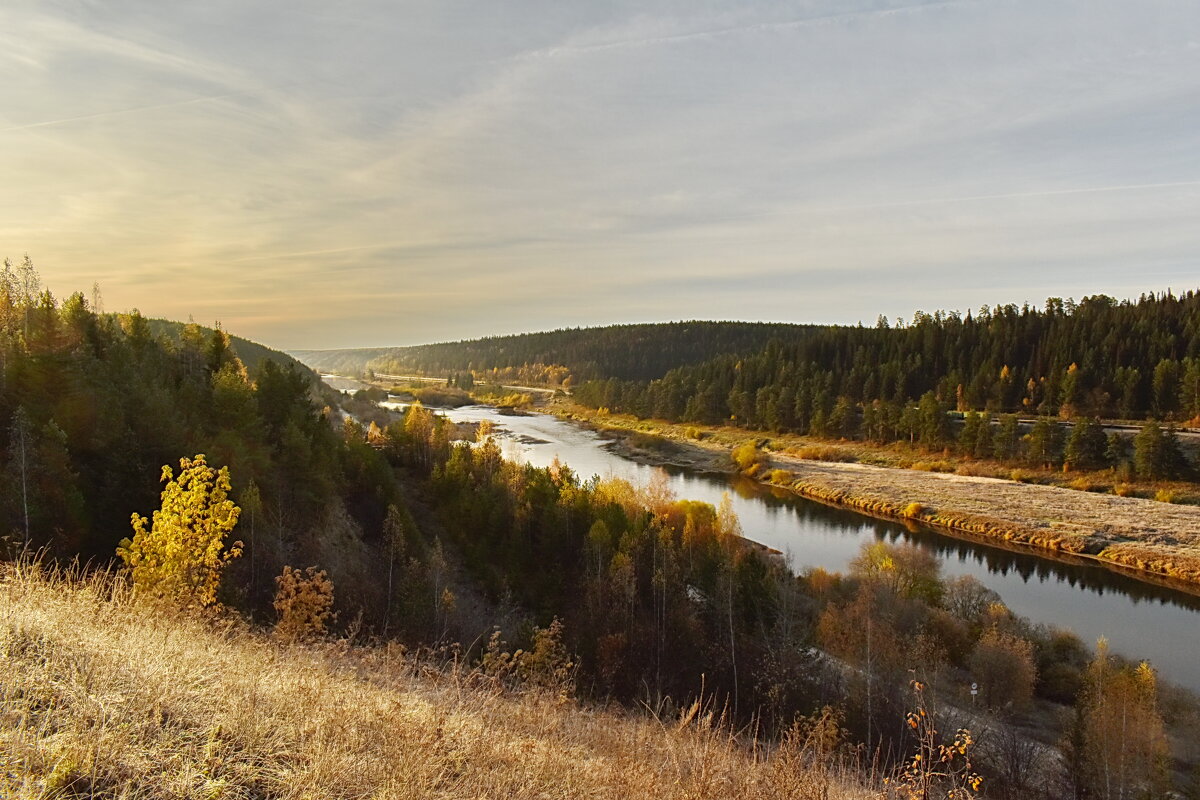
(115, 112)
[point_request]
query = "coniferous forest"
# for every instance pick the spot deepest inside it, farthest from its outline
(1100, 357)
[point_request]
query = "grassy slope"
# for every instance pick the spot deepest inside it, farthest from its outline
(103, 697)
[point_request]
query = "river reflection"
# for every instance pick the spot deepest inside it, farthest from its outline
(1140, 620)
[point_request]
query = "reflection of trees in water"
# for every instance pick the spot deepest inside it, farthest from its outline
(996, 560)
(1088, 577)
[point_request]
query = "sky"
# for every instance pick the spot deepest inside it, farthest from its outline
(341, 174)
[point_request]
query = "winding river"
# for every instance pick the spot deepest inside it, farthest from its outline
(1140, 620)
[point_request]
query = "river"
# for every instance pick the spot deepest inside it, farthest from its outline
(1140, 620)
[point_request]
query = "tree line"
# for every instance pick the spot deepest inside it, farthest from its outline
(633, 352)
(1099, 358)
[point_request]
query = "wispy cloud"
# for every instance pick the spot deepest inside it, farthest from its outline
(394, 173)
(780, 26)
(113, 112)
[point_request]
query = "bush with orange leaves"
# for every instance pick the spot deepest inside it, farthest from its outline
(936, 769)
(303, 603)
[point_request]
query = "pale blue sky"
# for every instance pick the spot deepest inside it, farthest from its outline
(369, 173)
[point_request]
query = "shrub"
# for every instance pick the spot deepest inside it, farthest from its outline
(976, 470)
(914, 510)
(1124, 490)
(1004, 668)
(1167, 496)
(747, 457)
(180, 558)
(937, 769)
(781, 476)
(303, 603)
(547, 665)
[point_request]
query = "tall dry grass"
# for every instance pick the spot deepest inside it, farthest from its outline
(103, 697)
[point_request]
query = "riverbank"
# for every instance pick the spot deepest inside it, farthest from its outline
(1155, 541)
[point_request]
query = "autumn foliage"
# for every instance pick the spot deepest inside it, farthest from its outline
(180, 557)
(303, 602)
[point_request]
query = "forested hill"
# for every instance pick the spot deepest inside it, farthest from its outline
(94, 405)
(251, 354)
(629, 352)
(1128, 359)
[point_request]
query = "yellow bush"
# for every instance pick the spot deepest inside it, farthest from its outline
(303, 603)
(914, 510)
(747, 457)
(1167, 496)
(179, 559)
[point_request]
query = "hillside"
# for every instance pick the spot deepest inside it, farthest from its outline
(632, 352)
(94, 405)
(220, 710)
(252, 354)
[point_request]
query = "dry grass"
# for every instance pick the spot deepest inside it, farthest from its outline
(1157, 538)
(102, 697)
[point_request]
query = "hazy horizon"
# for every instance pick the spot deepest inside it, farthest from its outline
(383, 174)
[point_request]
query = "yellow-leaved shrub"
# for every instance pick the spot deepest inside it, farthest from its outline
(180, 557)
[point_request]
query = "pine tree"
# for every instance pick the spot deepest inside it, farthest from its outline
(1045, 442)
(1007, 438)
(1086, 446)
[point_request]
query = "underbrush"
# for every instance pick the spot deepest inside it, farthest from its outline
(442, 396)
(824, 452)
(649, 441)
(500, 396)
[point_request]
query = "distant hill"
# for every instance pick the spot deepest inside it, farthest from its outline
(345, 362)
(629, 352)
